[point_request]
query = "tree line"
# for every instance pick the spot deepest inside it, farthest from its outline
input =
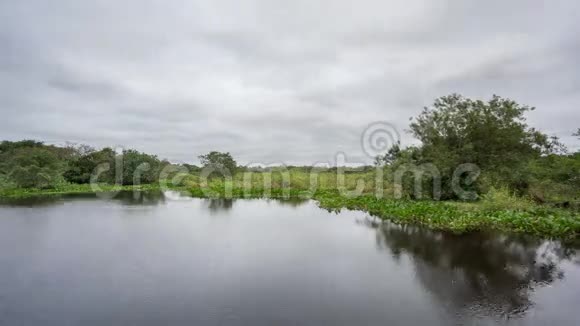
(493, 135)
(33, 164)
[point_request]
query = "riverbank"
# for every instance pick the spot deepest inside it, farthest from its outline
(456, 217)
(462, 218)
(71, 189)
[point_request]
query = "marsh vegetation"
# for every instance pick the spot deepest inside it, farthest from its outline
(522, 179)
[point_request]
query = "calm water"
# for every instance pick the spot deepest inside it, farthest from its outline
(165, 260)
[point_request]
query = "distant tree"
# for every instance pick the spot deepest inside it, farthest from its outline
(220, 162)
(191, 168)
(140, 168)
(30, 163)
(80, 169)
(80, 149)
(136, 167)
(8, 146)
(33, 167)
(577, 133)
(65, 153)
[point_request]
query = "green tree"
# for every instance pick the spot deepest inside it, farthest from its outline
(81, 168)
(126, 168)
(9, 146)
(30, 163)
(191, 168)
(139, 167)
(223, 163)
(389, 157)
(493, 135)
(33, 167)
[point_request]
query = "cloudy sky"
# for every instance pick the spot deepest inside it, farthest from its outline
(274, 81)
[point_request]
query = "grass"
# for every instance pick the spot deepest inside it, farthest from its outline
(457, 218)
(497, 210)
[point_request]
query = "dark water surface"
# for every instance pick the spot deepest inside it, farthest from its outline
(167, 260)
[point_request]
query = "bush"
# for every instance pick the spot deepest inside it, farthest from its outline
(140, 168)
(80, 170)
(222, 163)
(504, 199)
(5, 183)
(554, 178)
(34, 167)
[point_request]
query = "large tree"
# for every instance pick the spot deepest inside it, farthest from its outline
(33, 167)
(82, 167)
(140, 167)
(493, 135)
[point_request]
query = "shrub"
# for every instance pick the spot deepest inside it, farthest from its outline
(34, 167)
(80, 170)
(504, 199)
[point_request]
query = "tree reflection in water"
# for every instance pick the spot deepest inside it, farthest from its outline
(131, 198)
(217, 205)
(140, 198)
(292, 202)
(480, 274)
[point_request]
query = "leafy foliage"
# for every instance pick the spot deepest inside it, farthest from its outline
(81, 168)
(32, 164)
(139, 168)
(492, 135)
(9, 146)
(532, 219)
(222, 163)
(33, 167)
(390, 156)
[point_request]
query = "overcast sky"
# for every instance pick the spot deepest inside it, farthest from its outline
(274, 81)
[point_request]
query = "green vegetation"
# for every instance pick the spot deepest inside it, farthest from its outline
(491, 135)
(220, 163)
(30, 164)
(541, 221)
(520, 179)
(499, 209)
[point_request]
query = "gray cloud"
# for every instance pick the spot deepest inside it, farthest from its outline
(273, 81)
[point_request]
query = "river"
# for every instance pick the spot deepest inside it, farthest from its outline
(165, 259)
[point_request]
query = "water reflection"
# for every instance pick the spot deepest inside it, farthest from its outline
(139, 198)
(487, 274)
(292, 202)
(269, 262)
(133, 198)
(217, 205)
(44, 200)
(222, 205)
